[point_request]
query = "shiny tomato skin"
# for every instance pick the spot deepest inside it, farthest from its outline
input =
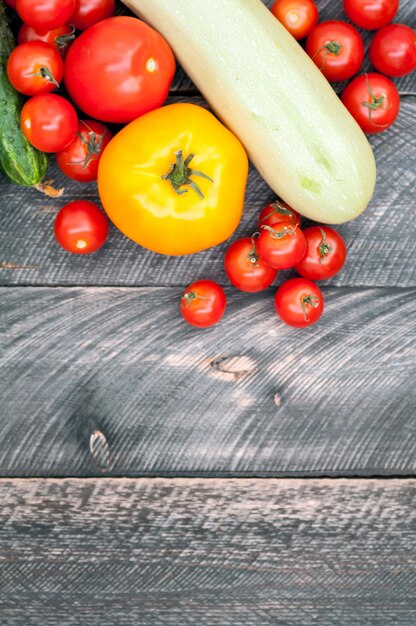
(60, 38)
(325, 255)
(49, 122)
(45, 14)
(245, 269)
(34, 68)
(277, 212)
(371, 14)
(89, 12)
(282, 246)
(80, 227)
(297, 16)
(80, 159)
(203, 303)
(336, 48)
(379, 92)
(299, 302)
(119, 83)
(393, 50)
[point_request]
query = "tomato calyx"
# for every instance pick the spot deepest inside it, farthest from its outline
(63, 40)
(278, 208)
(331, 47)
(325, 249)
(94, 145)
(253, 256)
(180, 174)
(45, 73)
(310, 300)
(279, 234)
(375, 104)
(190, 296)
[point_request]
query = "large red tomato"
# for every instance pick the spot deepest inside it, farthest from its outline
(119, 82)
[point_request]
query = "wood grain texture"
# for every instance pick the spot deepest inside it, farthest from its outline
(248, 397)
(382, 242)
(208, 552)
(328, 10)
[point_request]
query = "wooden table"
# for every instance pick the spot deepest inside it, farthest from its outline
(250, 474)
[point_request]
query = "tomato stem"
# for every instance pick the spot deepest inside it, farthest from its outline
(180, 174)
(94, 145)
(331, 47)
(190, 296)
(324, 247)
(280, 209)
(63, 40)
(310, 300)
(279, 234)
(45, 73)
(375, 104)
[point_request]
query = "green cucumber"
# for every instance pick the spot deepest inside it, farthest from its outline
(22, 163)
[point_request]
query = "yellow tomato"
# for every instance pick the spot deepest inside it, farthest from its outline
(174, 180)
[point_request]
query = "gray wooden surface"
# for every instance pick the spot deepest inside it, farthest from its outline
(208, 553)
(250, 396)
(100, 377)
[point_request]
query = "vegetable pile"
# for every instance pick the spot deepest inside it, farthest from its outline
(173, 179)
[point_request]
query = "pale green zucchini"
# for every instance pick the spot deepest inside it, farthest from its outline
(266, 89)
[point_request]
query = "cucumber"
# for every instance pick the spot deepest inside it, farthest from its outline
(267, 90)
(22, 163)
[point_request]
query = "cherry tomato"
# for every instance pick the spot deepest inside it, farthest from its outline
(299, 302)
(119, 83)
(325, 255)
(245, 268)
(60, 38)
(371, 14)
(80, 159)
(373, 100)
(49, 122)
(297, 16)
(277, 212)
(89, 12)
(80, 227)
(45, 14)
(203, 303)
(337, 49)
(282, 246)
(35, 67)
(393, 50)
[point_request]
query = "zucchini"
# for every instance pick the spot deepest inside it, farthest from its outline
(267, 90)
(22, 163)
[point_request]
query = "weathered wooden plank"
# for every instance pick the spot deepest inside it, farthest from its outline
(112, 380)
(208, 552)
(382, 242)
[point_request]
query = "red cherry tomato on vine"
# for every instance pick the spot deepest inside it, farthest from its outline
(45, 14)
(277, 212)
(371, 14)
(245, 268)
(117, 83)
(373, 100)
(203, 303)
(337, 49)
(49, 122)
(80, 227)
(80, 159)
(297, 16)
(325, 255)
(299, 302)
(89, 12)
(60, 38)
(393, 50)
(35, 67)
(281, 246)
